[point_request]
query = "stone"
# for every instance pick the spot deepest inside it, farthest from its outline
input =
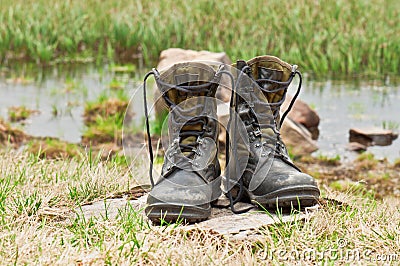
(355, 146)
(177, 55)
(10, 135)
(302, 113)
(246, 225)
(222, 220)
(297, 138)
(372, 136)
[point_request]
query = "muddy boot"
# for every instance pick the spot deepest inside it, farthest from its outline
(190, 177)
(270, 178)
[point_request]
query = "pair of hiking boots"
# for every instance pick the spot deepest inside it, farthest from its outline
(257, 169)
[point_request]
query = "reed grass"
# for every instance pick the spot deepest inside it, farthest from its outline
(320, 36)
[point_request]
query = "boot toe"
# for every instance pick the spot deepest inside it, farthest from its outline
(286, 190)
(183, 195)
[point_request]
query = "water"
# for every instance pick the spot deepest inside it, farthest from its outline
(359, 103)
(59, 93)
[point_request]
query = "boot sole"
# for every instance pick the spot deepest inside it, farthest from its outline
(161, 212)
(289, 197)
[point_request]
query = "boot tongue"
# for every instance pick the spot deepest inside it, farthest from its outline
(189, 103)
(185, 74)
(271, 67)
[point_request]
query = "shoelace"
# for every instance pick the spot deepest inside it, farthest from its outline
(197, 89)
(275, 107)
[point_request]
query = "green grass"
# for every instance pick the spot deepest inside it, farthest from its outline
(320, 36)
(366, 161)
(19, 113)
(104, 118)
(53, 148)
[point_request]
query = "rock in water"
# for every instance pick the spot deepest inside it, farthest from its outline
(355, 146)
(372, 136)
(297, 138)
(302, 113)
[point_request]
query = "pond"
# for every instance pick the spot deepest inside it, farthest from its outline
(353, 103)
(59, 94)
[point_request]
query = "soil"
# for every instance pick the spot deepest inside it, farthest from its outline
(11, 135)
(377, 177)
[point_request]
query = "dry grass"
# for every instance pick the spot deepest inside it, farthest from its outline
(39, 226)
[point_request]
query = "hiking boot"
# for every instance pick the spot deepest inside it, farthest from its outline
(270, 178)
(190, 176)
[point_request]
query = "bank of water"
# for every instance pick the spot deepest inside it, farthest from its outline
(59, 94)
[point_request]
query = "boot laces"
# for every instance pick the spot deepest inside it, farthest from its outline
(190, 149)
(279, 148)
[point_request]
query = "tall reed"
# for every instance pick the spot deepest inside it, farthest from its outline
(320, 36)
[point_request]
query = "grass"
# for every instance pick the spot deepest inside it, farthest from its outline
(104, 118)
(396, 163)
(19, 113)
(41, 223)
(366, 161)
(324, 36)
(321, 159)
(53, 148)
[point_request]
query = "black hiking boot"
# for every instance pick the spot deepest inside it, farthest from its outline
(270, 178)
(190, 177)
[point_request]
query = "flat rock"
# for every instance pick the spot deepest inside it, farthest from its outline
(297, 137)
(372, 136)
(222, 220)
(246, 225)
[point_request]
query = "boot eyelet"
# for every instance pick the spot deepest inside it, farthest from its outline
(257, 132)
